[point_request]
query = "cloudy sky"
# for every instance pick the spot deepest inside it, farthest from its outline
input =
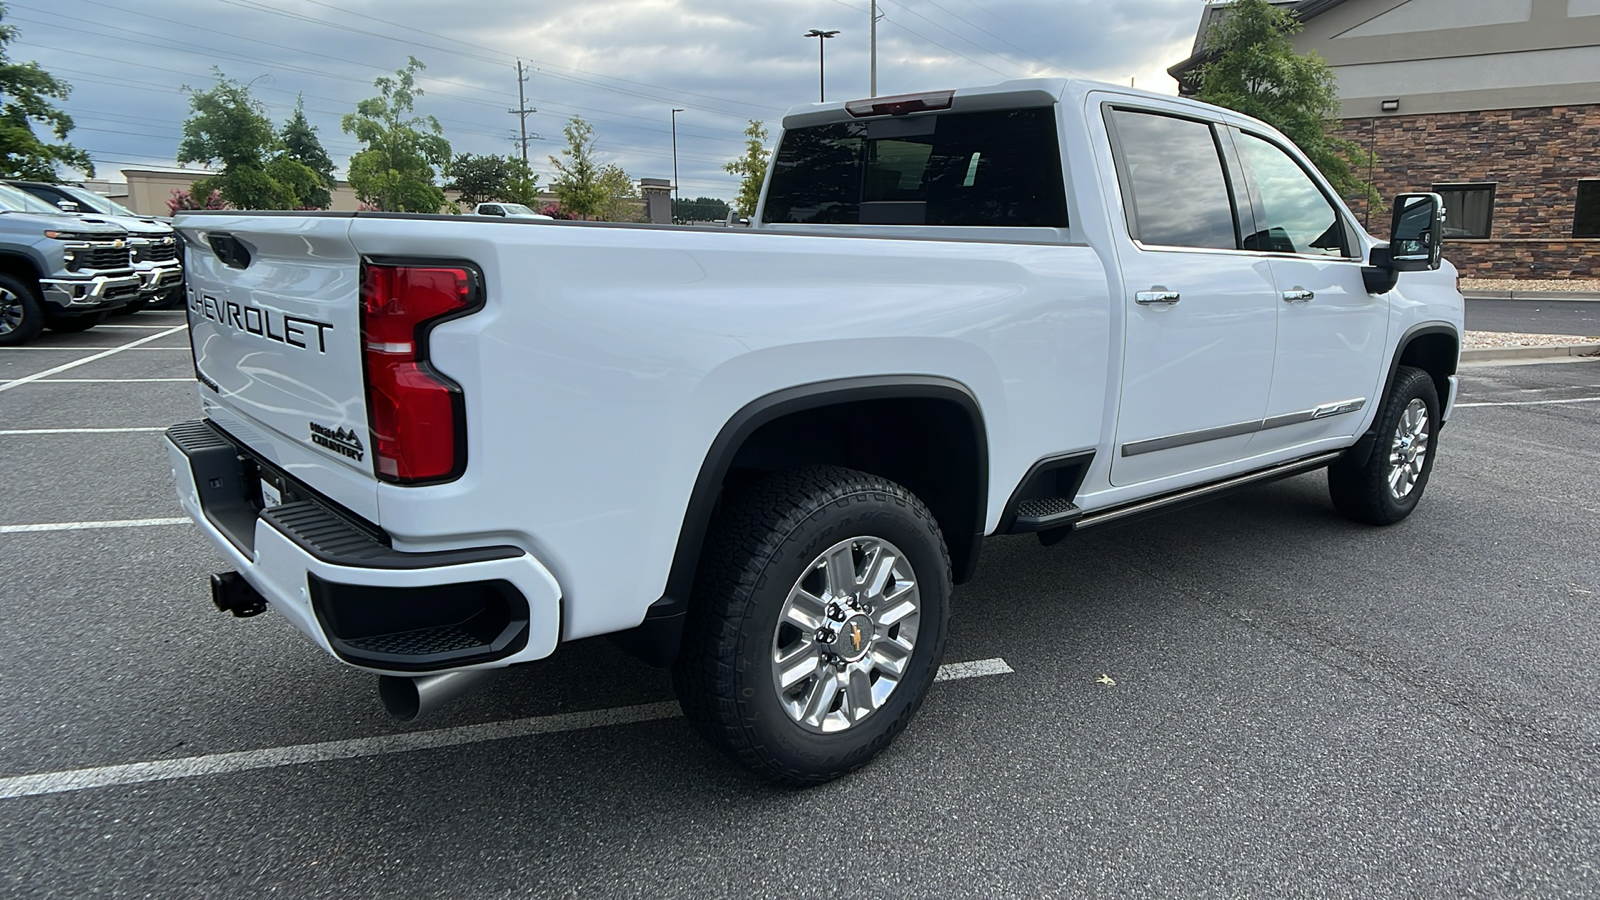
(623, 65)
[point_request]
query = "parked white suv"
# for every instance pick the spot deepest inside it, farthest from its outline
(443, 446)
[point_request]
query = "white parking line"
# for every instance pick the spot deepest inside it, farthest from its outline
(329, 751)
(89, 359)
(81, 526)
(97, 380)
(75, 430)
(1528, 402)
(132, 326)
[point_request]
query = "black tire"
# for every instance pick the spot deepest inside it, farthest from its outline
(75, 324)
(21, 317)
(1363, 492)
(758, 549)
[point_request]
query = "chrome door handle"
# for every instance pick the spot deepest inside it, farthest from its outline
(1298, 295)
(1146, 298)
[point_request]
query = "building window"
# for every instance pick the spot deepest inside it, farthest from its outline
(1468, 209)
(1587, 221)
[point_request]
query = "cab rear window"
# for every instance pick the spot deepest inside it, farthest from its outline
(980, 168)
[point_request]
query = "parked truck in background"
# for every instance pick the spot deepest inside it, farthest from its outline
(441, 446)
(152, 243)
(58, 271)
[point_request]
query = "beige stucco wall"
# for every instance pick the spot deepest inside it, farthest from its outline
(150, 189)
(1444, 56)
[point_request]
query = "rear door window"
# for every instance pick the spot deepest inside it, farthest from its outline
(981, 168)
(1173, 184)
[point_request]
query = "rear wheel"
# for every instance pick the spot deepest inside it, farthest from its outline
(20, 315)
(1388, 486)
(74, 324)
(817, 625)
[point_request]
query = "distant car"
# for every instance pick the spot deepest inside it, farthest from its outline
(509, 211)
(154, 245)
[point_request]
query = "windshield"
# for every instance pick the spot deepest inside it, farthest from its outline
(17, 200)
(517, 209)
(91, 202)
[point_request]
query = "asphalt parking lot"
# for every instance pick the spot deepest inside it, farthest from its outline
(1250, 698)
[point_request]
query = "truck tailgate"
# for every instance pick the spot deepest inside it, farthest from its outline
(275, 323)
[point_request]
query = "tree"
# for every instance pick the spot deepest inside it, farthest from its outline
(395, 171)
(1255, 70)
(751, 168)
(621, 203)
(482, 178)
(229, 128)
(478, 178)
(28, 92)
(523, 186)
(577, 184)
(300, 143)
(700, 209)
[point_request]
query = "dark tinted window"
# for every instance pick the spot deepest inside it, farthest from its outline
(1468, 209)
(1587, 221)
(982, 168)
(1173, 183)
(1299, 217)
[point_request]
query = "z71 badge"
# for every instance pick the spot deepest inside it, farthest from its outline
(341, 441)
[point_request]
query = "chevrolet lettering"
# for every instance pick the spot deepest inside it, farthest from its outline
(295, 331)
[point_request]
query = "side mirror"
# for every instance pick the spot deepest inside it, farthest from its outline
(67, 206)
(1417, 235)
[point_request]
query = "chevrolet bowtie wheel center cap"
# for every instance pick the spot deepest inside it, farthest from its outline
(854, 638)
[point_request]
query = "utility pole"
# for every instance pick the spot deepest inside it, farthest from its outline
(873, 91)
(675, 197)
(522, 112)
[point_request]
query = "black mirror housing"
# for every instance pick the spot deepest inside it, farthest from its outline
(1416, 234)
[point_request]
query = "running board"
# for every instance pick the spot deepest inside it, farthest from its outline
(1207, 491)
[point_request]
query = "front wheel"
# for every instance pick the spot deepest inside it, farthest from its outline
(20, 315)
(817, 625)
(1387, 487)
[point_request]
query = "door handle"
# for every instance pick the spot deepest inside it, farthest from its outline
(1147, 298)
(1298, 295)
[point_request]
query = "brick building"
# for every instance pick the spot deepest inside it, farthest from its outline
(1493, 103)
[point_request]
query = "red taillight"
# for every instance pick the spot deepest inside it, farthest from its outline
(900, 105)
(417, 415)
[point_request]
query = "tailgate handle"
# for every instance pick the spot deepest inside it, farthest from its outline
(232, 251)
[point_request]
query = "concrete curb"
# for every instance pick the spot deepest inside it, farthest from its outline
(1531, 295)
(1494, 354)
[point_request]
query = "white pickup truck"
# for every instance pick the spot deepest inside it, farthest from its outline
(444, 445)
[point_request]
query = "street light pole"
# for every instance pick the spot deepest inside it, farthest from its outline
(675, 197)
(822, 65)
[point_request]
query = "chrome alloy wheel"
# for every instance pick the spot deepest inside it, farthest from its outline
(1409, 450)
(845, 634)
(11, 311)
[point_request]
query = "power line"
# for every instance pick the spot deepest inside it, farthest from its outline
(252, 5)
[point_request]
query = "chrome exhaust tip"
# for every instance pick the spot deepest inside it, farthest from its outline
(407, 698)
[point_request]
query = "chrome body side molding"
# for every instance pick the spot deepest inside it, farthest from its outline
(1170, 441)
